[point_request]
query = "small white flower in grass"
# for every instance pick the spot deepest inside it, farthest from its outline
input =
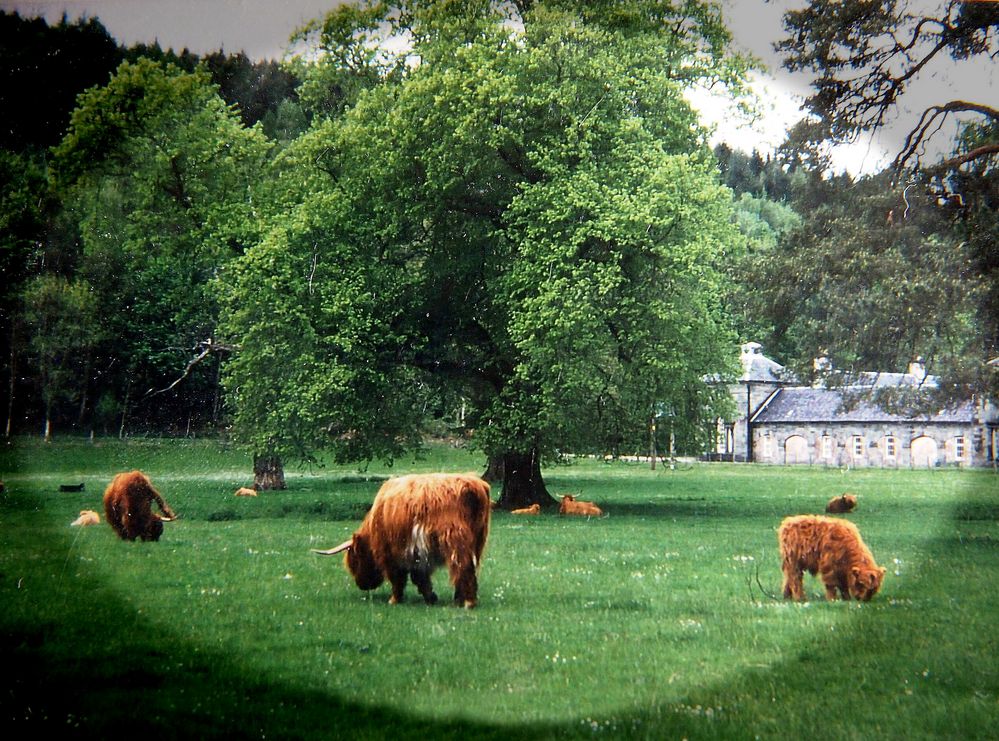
(287, 576)
(743, 559)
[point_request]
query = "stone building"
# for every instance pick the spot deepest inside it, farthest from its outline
(780, 421)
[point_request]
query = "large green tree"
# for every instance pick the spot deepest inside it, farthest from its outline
(525, 213)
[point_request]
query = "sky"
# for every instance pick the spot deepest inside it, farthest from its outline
(262, 28)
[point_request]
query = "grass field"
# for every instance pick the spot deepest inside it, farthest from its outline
(647, 623)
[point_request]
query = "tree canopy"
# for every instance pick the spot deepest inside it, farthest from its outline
(525, 215)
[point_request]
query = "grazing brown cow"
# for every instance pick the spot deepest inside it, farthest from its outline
(831, 548)
(572, 506)
(87, 517)
(245, 492)
(128, 507)
(534, 509)
(842, 504)
(417, 523)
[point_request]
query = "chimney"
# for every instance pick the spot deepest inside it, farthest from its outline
(822, 367)
(917, 369)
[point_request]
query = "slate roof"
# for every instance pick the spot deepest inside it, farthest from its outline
(817, 405)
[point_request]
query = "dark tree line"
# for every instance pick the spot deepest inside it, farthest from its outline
(84, 385)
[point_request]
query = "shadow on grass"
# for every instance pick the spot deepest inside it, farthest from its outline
(897, 671)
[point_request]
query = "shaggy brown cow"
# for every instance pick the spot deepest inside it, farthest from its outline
(534, 509)
(417, 523)
(572, 506)
(842, 504)
(87, 517)
(245, 492)
(127, 506)
(831, 548)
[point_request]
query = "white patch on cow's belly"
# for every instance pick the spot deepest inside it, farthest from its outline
(418, 551)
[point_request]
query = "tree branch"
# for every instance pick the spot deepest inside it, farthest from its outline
(208, 347)
(935, 115)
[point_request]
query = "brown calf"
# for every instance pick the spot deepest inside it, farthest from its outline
(831, 548)
(842, 504)
(572, 506)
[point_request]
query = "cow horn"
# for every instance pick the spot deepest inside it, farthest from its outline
(164, 518)
(338, 549)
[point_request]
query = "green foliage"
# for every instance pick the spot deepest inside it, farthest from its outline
(24, 207)
(61, 319)
(158, 174)
(351, 49)
(647, 623)
(871, 279)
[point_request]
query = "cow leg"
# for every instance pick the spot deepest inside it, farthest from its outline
(833, 584)
(398, 581)
(466, 584)
(793, 587)
(844, 587)
(422, 581)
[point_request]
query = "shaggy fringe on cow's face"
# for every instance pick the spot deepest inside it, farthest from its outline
(360, 561)
(865, 583)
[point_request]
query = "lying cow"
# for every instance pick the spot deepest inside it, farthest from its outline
(417, 523)
(128, 507)
(572, 506)
(244, 491)
(534, 509)
(87, 517)
(831, 548)
(842, 504)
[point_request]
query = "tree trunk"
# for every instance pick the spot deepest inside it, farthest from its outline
(268, 473)
(124, 410)
(13, 371)
(523, 484)
(494, 469)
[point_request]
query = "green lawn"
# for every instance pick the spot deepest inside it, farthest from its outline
(647, 623)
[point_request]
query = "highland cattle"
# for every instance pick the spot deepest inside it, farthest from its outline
(87, 517)
(534, 509)
(842, 504)
(244, 491)
(416, 524)
(128, 507)
(831, 548)
(572, 506)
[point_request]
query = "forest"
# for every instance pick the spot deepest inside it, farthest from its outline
(511, 233)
